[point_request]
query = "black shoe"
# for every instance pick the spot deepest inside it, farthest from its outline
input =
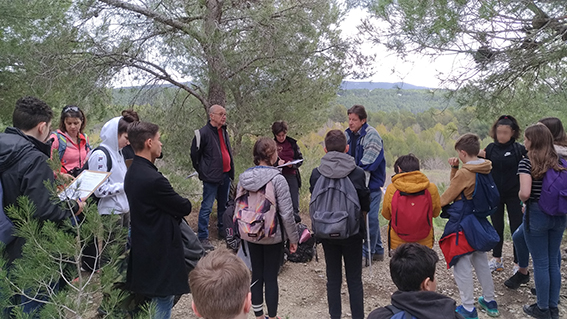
(554, 313)
(206, 244)
(533, 291)
(534, 311)
(517, 280)
(365, 262)
(377, 257)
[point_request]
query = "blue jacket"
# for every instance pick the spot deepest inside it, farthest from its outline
(369, 154)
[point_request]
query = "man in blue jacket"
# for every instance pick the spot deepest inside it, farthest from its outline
(367, 148)
(212, 159)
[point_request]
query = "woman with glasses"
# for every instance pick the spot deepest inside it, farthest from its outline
(70, 142)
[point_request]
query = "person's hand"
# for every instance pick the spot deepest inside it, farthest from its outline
(281, 162)
(292, 248)
(482, 153)
(82, 202)
(290, 165)
(453, 161)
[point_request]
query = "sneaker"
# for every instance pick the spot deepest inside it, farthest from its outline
(517, 280)
(554, 313)
(534, 311)
(495, 265)
(467, 314)
(206, 244)
(515, 269)
(377, 257)
(491, 307)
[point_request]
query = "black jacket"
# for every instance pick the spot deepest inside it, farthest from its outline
(420, 304)
(296, 155)
(23, 169)
(505, 159)
(156, 267)
(207, 157)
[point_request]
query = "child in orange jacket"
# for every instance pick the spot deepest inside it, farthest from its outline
(409, 179)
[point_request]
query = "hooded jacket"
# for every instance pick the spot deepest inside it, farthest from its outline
(340, 165)
(420, 304)
(23, 169)
(111, 192)
(367, 148)
(410, 182)
(255, 178)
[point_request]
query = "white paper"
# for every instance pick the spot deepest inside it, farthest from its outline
(297, 161)
(84, 185)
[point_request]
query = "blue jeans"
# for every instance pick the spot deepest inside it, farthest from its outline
(373, 226)
(521, 248)
(543, 238)
(210, 192)
(163, 306)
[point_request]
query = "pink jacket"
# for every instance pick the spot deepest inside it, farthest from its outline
(74, 155)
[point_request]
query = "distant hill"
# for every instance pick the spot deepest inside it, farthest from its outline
(355, 85)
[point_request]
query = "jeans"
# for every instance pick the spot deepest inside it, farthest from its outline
(210, 192)
(374, 226)
(265, 260)
(163, 306)
(543, 238)
(521, 247)
(335, 252)
(514, 217)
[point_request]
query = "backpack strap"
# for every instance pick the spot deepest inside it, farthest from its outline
(395, 310)
(198, 139)
(108, 158)
(62, 145)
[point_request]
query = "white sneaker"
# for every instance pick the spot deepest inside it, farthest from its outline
(495, 265)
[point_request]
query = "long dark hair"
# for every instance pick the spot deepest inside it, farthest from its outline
(541, 152)
(72, 111)
(556, 128)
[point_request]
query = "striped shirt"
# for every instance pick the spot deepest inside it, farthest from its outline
(525, 167)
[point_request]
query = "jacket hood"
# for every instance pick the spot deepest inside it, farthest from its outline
(410, 182)
(255, 177)
(14, 145)
(561, 150)
(483, 166)
(109, 134)
(425, 304)
(336, 165)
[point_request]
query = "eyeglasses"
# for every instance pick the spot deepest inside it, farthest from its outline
(67, 109)
(220, 114)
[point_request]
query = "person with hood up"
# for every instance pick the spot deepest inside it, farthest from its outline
(267, 253)
(410, 180)
(113, 200)
(337, 164)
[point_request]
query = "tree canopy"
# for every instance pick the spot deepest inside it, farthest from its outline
(509, 48)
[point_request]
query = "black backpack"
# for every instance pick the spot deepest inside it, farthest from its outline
(305, 250)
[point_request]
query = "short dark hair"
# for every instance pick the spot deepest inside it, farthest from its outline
(278, 127)
(468, 142)
(264, 149)
(29, 112)
(406, 163)
(220, 284)
(411, 264)
(139, 133)
(358, 110)
(506, 120)
(335, 140)
(128, 117)
(72, 111)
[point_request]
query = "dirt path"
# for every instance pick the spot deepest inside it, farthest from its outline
(303, 289)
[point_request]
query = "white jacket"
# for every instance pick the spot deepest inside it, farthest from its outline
(111, 192)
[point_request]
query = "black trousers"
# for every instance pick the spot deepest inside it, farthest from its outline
(349, 250)
(293, 184)
(514, 209)
(265, 260)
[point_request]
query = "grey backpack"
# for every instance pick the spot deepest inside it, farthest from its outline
(334, 208)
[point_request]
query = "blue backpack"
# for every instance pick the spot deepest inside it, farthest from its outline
(486, 197)
(399, 313)
(553, 199)
(6, 225)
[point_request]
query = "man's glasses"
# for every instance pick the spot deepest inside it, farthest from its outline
(220, 114)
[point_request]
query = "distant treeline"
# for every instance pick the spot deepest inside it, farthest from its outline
(414, 101)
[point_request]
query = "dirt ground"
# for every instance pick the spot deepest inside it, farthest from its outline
(303, 287)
